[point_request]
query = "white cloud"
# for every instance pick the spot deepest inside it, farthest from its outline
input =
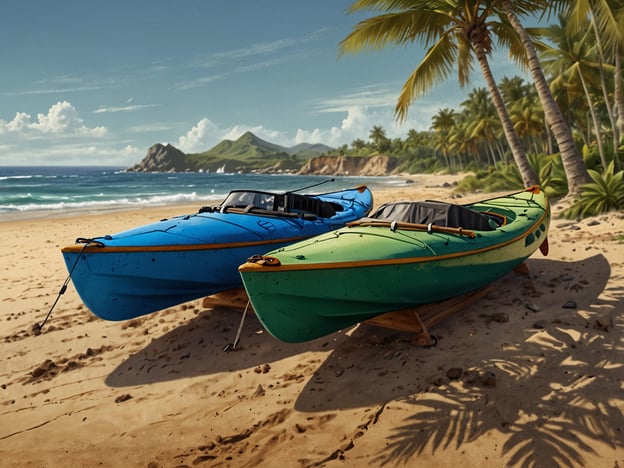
(206, 134)
(128, 108)
(272, 136)
(251, 58)
(198, 82)
(150, 128)
(357, 123)
(61, 119)
(97, 154)
(379, 95)
(200, 138)
(60, 136)
(20, 124)
(257, 49)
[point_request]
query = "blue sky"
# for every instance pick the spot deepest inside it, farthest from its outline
(98, 82)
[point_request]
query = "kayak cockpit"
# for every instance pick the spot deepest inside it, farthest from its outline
(267, 203)
(436, 213)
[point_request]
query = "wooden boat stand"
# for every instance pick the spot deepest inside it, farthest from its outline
(415, 320)
(419, 319)
(234, 298)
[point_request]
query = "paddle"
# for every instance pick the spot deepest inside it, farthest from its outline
(310, 186)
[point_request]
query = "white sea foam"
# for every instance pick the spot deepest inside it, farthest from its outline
(178, 198)
(41, 191)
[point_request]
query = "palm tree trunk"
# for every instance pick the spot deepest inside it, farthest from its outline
(526, 171)
(594, 117)
(573, 163)
(490, 148)
(605, 94)
(549, 140)
(619, 101)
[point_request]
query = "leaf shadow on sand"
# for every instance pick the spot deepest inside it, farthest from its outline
(196, 348)
(554, 375)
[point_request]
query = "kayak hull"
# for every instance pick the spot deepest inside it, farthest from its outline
(318, 286)
(162, 264)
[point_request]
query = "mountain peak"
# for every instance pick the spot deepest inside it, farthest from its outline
(249, 138)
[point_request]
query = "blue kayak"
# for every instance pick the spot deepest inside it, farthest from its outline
(162, 264)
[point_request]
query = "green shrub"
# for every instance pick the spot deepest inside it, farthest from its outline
(605, 193)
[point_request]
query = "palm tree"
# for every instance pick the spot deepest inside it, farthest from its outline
(379, 138)
(416, 139)
(568, 61)
(358, 144)
(526, 113)
(442, 123)
(607, 22)
(462, 142)
(482, 123)
(513, 89)
(573, 163)
(453, 33)
(528, 119)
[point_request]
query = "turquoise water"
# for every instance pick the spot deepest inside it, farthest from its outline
(51, 190)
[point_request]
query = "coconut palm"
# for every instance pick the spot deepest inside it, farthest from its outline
(571, 58)
(527, 114)
(573, 163)
(379, 138)
(482, 123)
(528, 119)
(463, 143)
(514, 88)
(358, 144)
(442, 123)
(454, 33)
(607, 23)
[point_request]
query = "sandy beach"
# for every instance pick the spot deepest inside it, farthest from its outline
(529, 375)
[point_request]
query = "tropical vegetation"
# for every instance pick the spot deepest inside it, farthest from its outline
(562, 130)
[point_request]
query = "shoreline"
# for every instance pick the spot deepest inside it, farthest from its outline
(191, 207)
(84, 190)
(160, 391)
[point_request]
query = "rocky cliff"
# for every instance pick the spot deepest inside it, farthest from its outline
(350, 166)
(164, 158)
(168, 158)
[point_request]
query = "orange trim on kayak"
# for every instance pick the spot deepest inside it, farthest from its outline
(276, 265)
(77, 248)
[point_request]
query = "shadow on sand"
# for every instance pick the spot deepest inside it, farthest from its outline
(197, 348)
(553, 373)
(546, 379)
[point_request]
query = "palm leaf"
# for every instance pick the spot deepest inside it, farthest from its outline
(434, 68)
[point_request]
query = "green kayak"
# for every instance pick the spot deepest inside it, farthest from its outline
(406, 254)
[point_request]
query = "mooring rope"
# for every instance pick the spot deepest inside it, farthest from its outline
(38, 326)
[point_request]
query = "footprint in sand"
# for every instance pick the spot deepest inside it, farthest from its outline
(50, 369)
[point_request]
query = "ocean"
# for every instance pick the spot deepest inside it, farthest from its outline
(31, 191)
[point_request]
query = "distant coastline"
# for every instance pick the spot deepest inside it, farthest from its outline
(44, 191)
(250, 154)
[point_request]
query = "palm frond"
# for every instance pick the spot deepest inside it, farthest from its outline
(377, 32)
(434, 68)
(507, 38)
(465, 62)
(384, 5)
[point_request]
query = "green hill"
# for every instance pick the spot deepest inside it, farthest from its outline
(246, 154)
